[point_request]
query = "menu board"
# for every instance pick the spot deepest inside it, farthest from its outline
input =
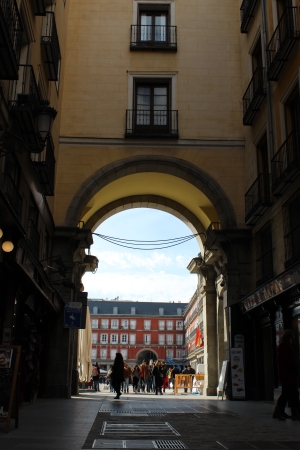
(9, 363)
(237, 373)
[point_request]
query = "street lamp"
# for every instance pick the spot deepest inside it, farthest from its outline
(44, 118)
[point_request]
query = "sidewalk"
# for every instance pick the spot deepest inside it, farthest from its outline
(137, 420)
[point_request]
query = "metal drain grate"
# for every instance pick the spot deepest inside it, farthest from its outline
(137, 429)
(169, 444)
(137, 444)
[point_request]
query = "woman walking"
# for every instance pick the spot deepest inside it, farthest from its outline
(136, 374)
(158, 377)
(117, 374)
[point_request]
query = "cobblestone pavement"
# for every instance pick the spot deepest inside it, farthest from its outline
(96, 420)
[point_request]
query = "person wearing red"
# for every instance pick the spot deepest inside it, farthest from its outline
(287, 374)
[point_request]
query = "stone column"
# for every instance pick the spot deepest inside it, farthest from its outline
(209, 296)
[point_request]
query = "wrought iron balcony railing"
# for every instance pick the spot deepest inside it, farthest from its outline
(10, 39)
(12, 195)
(292, 247)
(44, 164)
(257, 199)
(247, 12)
(151, 123)
(34, 237)
(254, 96)
(157, 37)
(50, 46)
(284, 38)
(285, 165)
(24, 97)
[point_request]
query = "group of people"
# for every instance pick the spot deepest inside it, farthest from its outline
(150, 378)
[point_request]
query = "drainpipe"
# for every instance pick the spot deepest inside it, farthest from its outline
(268, 86)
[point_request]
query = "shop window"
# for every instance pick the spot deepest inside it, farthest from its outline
(291, 227)
(264, 255)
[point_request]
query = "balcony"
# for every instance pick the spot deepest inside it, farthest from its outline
(257, 199)
(247, 12)
(50, 47)
(12, 195)
(151, 124)
(10, 39)
(23, 99)
(34, 237)
(282, 42)
(254, 96)
(286, 163)
(157, 37)
(44, 164)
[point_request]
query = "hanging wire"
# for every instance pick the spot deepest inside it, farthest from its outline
(138, 245)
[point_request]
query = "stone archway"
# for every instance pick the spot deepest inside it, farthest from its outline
(147, 354)
(158, 164)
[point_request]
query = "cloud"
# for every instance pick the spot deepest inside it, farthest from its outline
(157, 287)
(126, 260)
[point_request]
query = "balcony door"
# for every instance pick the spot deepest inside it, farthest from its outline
(152, 104)
(153, 26)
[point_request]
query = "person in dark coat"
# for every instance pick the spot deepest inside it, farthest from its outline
(117, 374)
(158, 376)
(287, 374)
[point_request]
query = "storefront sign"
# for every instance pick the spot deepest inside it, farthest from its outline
(72, 316)
(237, 373)
(270, 290)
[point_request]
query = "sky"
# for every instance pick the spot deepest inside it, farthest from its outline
(155, 275)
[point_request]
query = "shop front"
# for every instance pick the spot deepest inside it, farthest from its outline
(265, 314)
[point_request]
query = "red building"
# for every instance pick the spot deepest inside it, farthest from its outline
(138, 330)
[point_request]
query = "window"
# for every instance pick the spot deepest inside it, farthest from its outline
(291, 227)
(179, 353)
(147, 324)
(115, 310)
(161, 311)
(113, 338)
(133, 310)
(292, 112)
(132, 339)
(179, 324)
(124, 353)
(169, 324)
(179, 311)
(169, 353)
(104, 323)
(94, 323)
(169, 339)
(103, 353)
(115, 324)
(104, 338)
(153, 26)
(147, 338)
(94, 338)
(113, 352)
(161, 339)
(179, 339)
(94, 353)
(257, 59)
(151, 105)
(133, 324)
(125, 324)
(95, 309)
(124, 338)
(264, 254)
(161, 324)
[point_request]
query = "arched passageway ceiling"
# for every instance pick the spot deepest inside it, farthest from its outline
(184, 198)
(147, 201)
(163, 176)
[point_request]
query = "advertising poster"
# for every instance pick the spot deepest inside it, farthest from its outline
(5, 358)
(237, 373)
(72, 316)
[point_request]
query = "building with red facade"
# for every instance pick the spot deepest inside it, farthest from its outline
(138, 330)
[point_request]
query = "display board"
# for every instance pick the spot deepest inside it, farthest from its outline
(237, 373)
(223, 379)
(9, 364)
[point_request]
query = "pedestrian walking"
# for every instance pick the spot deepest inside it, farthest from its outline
(95, 374)
(165, 380)
(136, 374)
(126, 374)
(158, 376)
(287, 374)
(117, 374)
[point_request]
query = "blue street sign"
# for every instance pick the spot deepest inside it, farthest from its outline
(72, 315)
